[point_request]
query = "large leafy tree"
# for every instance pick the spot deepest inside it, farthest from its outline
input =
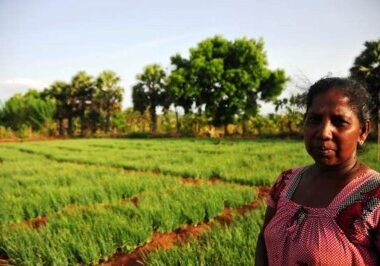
(110, 95)
(225, 79)
(150, 92)
(366, 68)
(183, 92)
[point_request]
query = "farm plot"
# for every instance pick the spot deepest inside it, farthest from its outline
(245, 162)
(89, 201)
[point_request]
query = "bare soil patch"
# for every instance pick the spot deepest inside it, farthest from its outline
(198, 181)
(4, 262)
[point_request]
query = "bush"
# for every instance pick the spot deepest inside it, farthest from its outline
(137, 135)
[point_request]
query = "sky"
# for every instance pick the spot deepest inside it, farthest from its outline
(42, 41)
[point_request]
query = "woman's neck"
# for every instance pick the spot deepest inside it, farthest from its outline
(340, 171)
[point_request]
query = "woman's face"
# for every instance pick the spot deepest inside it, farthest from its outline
(332, 129)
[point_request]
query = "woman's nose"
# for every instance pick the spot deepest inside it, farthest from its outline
(325, 130)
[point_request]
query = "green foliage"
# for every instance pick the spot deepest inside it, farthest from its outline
(109, 97)
(94, 101)
(5, 133)
(136, 121)
(63, 96)
(118, 122)
(27, 110)
(83, 87)
(150, 92)
(366, 68)
(225, 78)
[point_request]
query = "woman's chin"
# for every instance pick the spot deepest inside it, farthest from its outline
(325, 161)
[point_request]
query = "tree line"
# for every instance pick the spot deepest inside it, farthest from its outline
(220, 83)
(87, 101)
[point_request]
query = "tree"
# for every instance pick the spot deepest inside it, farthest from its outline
(183, 92)
(225, 79)
(110, 95)
(83, 88)
(61, 92)
(27, 110)
(150, 92)
(366, 68)
(12, 112)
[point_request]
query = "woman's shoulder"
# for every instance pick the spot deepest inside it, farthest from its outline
(289, 174)
(282, 183)
(361, 208)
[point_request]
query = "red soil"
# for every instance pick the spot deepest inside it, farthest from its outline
(34, 223)
(214, 180)
(156, 171)
(38, 222)
(4, 262)
(191, 181)
(198, 181)
(135, 200)
(263, 191)
(159, 240)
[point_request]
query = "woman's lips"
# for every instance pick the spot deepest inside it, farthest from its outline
(324, 151)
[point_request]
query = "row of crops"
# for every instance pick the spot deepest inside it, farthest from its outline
(232, 245)
(81, 201)
(245, 162)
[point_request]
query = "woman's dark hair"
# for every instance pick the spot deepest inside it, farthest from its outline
(358, 96)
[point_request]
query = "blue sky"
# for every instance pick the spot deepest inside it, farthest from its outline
(46, 40)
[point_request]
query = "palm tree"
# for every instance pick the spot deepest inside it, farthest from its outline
(150, 92)
(61, 92)
(110, 95)
(83, 88)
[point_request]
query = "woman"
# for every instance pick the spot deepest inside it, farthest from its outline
(327, 213)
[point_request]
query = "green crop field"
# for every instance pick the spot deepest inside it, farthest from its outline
(81, 201)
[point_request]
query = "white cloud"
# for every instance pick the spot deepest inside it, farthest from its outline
(10, 87)
(25, 82)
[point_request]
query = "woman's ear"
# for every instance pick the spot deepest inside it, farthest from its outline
(364, 131)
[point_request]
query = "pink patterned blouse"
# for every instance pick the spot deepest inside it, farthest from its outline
(346, 232)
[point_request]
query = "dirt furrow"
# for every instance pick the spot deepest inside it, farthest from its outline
(181, 235)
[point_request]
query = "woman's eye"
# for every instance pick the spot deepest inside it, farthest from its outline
(340, 122)
(312, 120)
